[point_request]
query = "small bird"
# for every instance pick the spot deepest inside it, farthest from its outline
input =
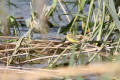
(72, 38)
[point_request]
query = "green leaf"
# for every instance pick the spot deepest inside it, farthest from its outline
(111, 8)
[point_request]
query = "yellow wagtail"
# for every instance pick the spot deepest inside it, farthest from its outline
(72, 38)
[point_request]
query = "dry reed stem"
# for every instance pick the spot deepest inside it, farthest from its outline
(68, 18)
(32, 74)
(30, 48)
(7, 37)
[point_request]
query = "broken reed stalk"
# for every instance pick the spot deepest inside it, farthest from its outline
(4, 29)
(38, 24)
(40, 10)
(18, 45)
